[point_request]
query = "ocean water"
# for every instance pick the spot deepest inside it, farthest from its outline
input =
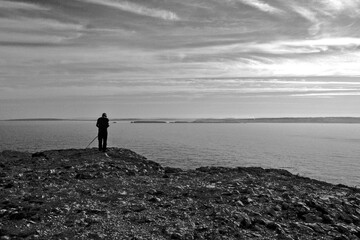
(329, 152)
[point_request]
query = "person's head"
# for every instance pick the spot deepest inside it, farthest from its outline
(104, 115)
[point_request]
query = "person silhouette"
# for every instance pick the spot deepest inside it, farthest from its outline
(102, 124)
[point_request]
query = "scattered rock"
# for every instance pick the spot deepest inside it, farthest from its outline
(84, 175)
(312, 218)
(154, 199)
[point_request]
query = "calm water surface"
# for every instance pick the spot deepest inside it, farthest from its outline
(327, 152)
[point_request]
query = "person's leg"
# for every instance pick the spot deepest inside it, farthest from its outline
(100, 142)
(104, 142)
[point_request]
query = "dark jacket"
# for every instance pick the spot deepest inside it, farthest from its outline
(102, 123)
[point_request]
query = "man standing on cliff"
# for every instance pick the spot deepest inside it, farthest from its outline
(102, 124)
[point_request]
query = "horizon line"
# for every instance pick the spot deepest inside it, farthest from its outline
(172, 118)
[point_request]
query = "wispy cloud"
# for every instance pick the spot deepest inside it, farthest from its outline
(305, 13)
(138, 9)
(327, 17)
(37, 23)
(307, 46)
(37, 30)
(327, 94)
(262, 6)
(337, 6)
(20, 5)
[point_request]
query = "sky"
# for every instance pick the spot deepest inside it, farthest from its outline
(179, 59)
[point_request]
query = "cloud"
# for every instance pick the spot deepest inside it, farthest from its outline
(262, 6)
(292, 47)
(327, 94)
(305, 12)
(37, 23)
(152, 87)
(20, 5)
(138, 9)
(337, 6)
(105, 56)
(327, 17)
(267, 52)
(36, 30)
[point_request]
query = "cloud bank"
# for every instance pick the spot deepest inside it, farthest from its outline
(167, 50)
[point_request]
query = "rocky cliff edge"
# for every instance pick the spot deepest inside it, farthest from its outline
(86, 194)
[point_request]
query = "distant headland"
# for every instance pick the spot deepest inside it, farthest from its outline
(282, 120)
(36, 119)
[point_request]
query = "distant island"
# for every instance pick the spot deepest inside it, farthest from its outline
(37, 119)
(148, 121)
(214, 120)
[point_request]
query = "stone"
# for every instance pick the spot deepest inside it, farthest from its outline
(302, 208)
(285, 206)
(84, 176)
(175, 236)
(342, 228)
(316, 227)
(155, 192)
(328, 219)
(346, 218)
(271, 212)
(282, 236)
(96, 236)
(312, 218)
(277, 208)
(245, 220)
(154, 199)
(273, 225)
(240, 203)
(342, 237)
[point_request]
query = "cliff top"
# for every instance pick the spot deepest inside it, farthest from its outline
(86, 194)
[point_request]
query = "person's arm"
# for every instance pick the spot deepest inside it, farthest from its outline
(97, 123)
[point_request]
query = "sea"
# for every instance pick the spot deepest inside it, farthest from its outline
(327, 152)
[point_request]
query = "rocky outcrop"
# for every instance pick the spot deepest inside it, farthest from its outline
(86, 194)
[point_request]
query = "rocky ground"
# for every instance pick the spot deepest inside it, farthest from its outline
(86, 194)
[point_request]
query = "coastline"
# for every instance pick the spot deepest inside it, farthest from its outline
(83, 193)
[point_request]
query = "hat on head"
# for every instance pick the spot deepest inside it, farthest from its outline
(104, 115)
